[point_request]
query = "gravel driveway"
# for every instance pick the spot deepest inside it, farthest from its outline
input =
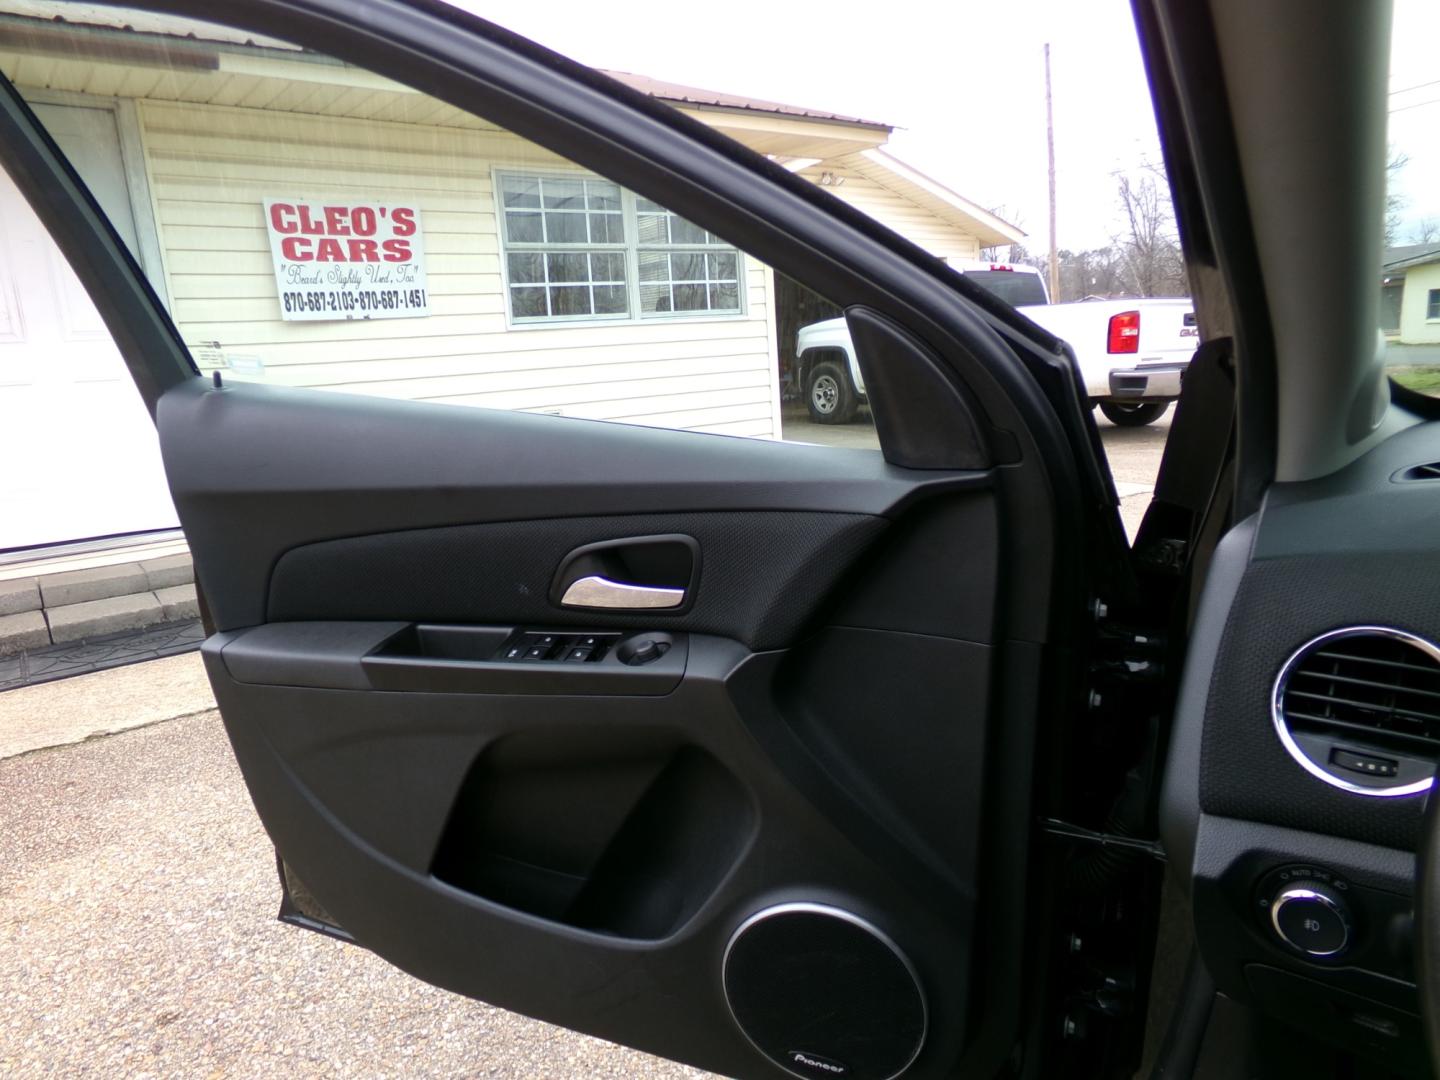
(138, 939)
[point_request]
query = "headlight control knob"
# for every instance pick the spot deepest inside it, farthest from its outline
(1311, 917)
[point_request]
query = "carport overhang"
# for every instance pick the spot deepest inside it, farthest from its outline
(789, 139)
(889, 171)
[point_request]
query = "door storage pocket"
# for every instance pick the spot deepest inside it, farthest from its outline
(630, 842)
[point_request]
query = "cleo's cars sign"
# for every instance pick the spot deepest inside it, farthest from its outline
(345, 260)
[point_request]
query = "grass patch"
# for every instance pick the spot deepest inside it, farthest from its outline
(1425, 380)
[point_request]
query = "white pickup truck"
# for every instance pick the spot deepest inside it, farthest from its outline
(1132, 353)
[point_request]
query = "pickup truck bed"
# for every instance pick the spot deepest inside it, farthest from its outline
(1132, 353)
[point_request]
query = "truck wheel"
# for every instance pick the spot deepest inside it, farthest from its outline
(1133, 413)
(829, 395)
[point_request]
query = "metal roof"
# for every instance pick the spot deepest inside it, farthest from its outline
(1398, 258)
(693, 95)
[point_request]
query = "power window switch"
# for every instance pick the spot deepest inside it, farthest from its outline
(577, 655)
(537, 652)
(513, 652)
(1364, 764)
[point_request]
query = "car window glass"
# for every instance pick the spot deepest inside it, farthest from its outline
(1041, 179)
(310, 224)
(1409, 280)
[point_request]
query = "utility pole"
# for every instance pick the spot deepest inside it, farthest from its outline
(1050, 147)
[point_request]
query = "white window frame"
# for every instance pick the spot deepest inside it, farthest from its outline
(135, 163)
(631, 248)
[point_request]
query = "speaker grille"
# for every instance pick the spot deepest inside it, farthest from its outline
(822, 992)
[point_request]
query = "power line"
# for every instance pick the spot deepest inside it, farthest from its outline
(1417, 86)
(1417, 105)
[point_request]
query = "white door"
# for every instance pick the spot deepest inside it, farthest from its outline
(80, 453)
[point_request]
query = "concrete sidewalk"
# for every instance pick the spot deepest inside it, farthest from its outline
(103, 703)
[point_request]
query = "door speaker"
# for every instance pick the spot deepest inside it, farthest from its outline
(822, 992)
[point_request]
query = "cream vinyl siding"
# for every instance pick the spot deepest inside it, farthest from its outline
(211, 166)
(1416, 328)
(913, 222)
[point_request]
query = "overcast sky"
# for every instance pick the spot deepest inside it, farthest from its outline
(962, 81)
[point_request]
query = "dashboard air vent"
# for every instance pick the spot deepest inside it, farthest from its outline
(1428, 471)
(1360, 709)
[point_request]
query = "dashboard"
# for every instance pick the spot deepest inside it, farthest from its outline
(1306, 734)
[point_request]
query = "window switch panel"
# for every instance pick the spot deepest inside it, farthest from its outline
(535, 645)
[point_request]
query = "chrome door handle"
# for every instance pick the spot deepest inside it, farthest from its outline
(600, 592)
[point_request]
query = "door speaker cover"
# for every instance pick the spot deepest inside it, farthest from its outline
(822, 992)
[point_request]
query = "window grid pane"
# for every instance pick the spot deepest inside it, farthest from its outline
(571, 283)
(659, 226)
(689, 281)
(552, 210)
(571, 260)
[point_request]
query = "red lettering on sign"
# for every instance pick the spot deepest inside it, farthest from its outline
(309, 225)
(329, 250)
(296, 249)
(282, 218)
(335, 217)
(397, 250)
(403, 219)
(362, 220)
(364, 250)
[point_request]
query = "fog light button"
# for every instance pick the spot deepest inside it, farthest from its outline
(1311, 918)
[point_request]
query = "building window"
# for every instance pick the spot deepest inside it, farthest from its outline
(683, 267)
(565, 248)
(574, 244)
(1432, 305)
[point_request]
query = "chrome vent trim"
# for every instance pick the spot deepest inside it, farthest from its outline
(1357, 696)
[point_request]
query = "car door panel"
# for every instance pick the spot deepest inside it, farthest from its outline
(567, 813)
(624, 814)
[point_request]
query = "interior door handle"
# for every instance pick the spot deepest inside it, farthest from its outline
(600, 592)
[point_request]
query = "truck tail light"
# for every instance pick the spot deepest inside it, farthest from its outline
(1124, 333)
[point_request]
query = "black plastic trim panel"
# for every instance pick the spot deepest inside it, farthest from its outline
(230, 457)
(1180, 796)
(354, 656)
(762, 572)
(354, 786)
(1231, 858)
(1354, 548)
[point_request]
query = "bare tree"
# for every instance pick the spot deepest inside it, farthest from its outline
(1096, 272)
(1394, 202)
(1020, 255)
(1151, 263)
(998, 252)
(1426, 231)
